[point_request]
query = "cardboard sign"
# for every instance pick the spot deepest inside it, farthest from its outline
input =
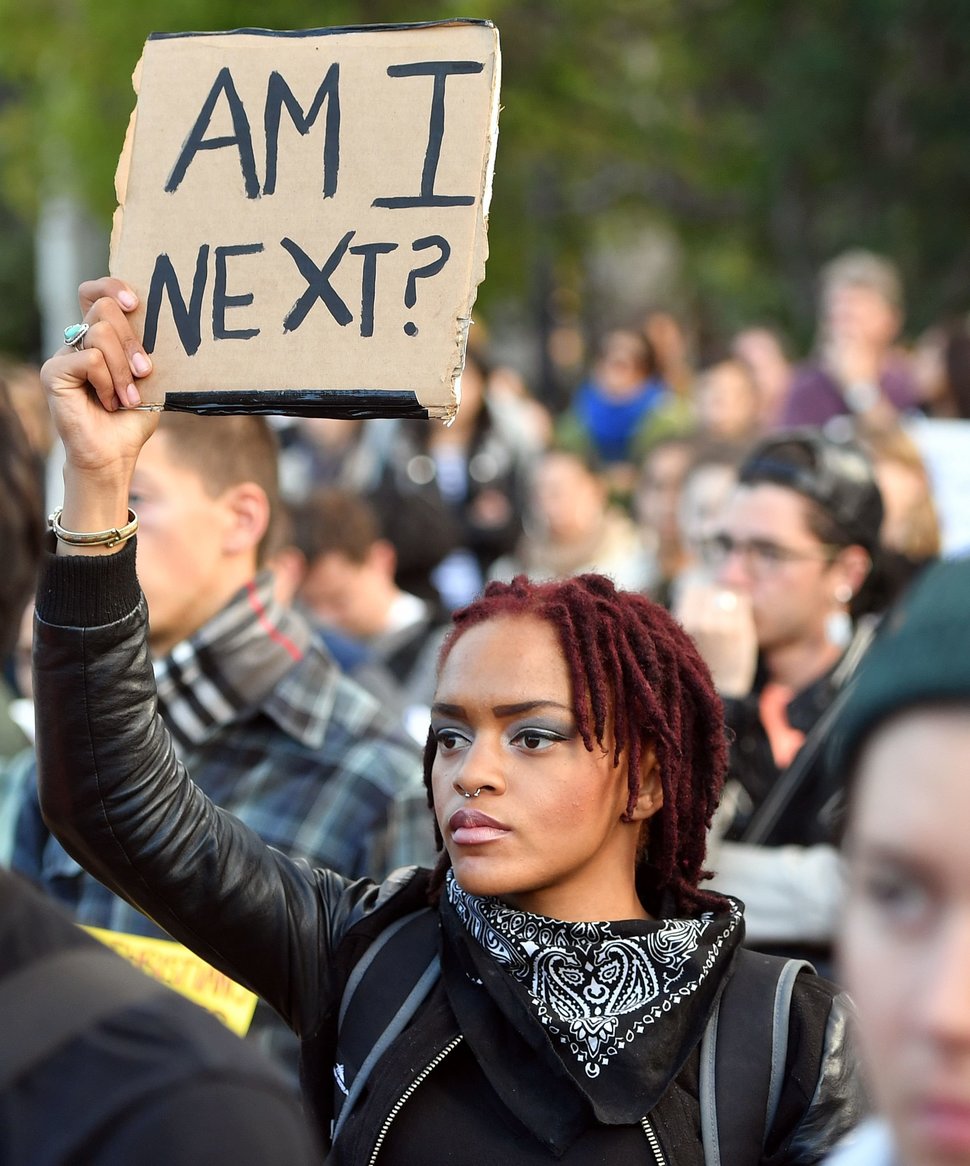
(303, 215)
(184, 972)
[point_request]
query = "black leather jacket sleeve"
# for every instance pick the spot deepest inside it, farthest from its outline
(115, 795)
(823, 1095)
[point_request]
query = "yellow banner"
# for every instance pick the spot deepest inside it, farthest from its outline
(186, 973)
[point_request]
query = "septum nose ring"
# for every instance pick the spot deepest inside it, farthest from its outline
(468, 795)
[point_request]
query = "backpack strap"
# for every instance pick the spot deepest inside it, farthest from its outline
(50, 1001)
(746, 1040)
(383, 992)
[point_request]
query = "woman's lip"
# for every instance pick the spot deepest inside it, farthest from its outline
(945, 1124)
(472, 828)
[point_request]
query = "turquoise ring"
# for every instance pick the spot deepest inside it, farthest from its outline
(74, 335)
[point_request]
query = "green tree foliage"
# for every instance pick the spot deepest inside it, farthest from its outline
(766, 136)
(19, 326)
(815, 126)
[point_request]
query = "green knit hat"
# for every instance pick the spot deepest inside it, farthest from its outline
(921, 655)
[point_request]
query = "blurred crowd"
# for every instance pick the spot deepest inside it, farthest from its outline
(381, 528)
(780, 504)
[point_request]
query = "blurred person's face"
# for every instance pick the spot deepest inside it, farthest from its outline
(727, 402)
(905, 931)
(765, 549)
(703, 497)
(620, 370)
(859, 314)
(186, 539)
(763, 354)
(568, 499)
(658, 495)
(346, 595)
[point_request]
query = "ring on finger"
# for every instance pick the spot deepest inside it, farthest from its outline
(726, 601)
(74, 335)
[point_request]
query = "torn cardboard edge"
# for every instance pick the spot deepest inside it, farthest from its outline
(312, 400)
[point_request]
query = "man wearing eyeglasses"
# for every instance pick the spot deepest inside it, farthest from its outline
(782, 626)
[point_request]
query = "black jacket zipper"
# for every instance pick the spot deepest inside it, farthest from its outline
(648, 1129)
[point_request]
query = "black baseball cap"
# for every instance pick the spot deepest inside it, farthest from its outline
(836, 475)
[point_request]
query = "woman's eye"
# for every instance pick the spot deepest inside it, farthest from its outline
(534, 740)
(449, 739)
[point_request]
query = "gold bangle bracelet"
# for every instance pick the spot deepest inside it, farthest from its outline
(98, 538)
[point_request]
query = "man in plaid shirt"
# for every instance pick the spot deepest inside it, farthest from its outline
(261, 716)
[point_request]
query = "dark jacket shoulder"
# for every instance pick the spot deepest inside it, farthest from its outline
(153, 1079)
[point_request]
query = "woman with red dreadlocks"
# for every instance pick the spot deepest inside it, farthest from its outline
(560, 988)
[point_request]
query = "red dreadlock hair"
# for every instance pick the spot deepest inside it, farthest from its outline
(632, 666)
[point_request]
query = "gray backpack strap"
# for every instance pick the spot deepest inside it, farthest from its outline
(744, 1052)
(385, 989)
(54, 999)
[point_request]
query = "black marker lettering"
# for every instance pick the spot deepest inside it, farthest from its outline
(242, 137)
(426, 272)
(368, 281)
(188, 320)
(440, 71)
(278, 94)
(221, 301)
(318, 284)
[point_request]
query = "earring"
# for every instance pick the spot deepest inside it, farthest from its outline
(838, 625)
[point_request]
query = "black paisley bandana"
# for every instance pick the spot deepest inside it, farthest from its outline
(608, 995)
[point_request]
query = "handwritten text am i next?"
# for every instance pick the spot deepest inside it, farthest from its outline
(308, 210)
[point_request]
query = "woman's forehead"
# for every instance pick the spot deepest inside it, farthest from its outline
(520, 653)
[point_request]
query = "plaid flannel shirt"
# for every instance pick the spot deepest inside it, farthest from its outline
(272, 731)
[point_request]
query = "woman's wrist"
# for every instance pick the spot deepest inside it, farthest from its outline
(110, 538)
(92, 508)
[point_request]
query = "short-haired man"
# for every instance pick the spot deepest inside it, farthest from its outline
(793, 552)
(270, 728)
(349, 583)
(857, 368)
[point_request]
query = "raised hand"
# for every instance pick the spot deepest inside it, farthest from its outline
(92, 394)
(720, 622)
